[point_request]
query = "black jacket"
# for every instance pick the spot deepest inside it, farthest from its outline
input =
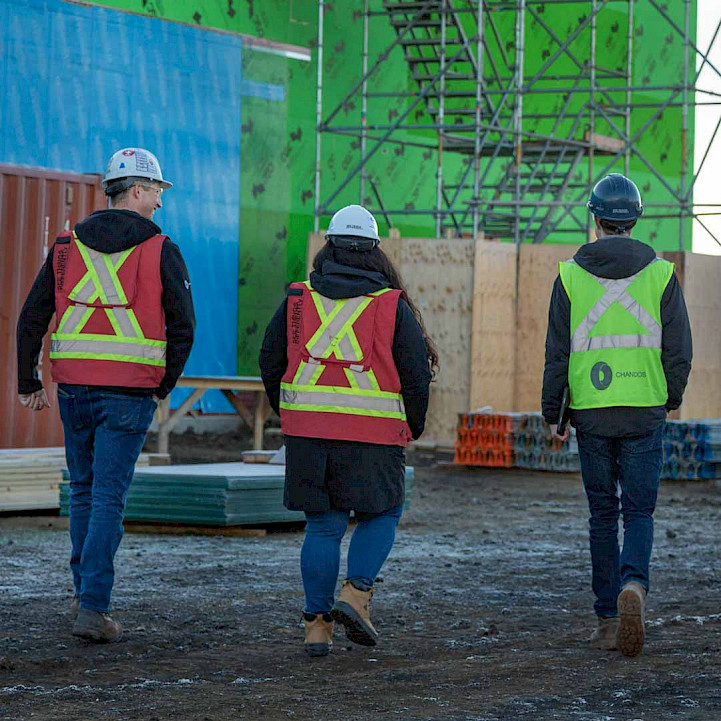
(409, 348)
(112, 231)
(617, 257)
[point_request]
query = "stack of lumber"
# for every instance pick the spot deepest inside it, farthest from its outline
(30, 477)
(692, 450)
(512, 440)
(212, 494)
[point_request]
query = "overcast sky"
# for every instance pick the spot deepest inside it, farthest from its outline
(708, 185)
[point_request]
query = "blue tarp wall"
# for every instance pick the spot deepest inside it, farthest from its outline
(78, 83)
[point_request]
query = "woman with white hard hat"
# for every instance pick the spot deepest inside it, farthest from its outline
(347, 364)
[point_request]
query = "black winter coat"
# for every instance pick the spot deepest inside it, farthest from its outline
(321, 473)
(617, 257)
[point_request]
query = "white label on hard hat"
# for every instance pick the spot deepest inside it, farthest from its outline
(141, 162)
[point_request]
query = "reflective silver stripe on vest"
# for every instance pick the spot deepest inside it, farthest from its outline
(362, 379)
(123, 319)
(108, 347)
(74, 319)
(616, 291)
(342, 400)
(306, 375)
(86, 292)
(111, 293)
(333, 328)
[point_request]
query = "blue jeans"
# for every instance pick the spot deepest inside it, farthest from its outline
(104, 434)
(634, 464)
(369, 547)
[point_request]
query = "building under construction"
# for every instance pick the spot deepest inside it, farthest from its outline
(459, 118)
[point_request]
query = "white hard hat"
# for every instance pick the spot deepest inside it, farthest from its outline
(133, 163)
(353, 221)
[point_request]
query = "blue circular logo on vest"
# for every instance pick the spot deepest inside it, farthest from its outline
(601, 376)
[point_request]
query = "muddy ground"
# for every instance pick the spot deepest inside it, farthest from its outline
(484, 611)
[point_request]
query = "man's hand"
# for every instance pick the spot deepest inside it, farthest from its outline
(554, 432)
(35, 401)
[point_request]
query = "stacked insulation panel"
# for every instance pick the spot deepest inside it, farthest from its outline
(692, 450)
(210, 494)
(512, 440)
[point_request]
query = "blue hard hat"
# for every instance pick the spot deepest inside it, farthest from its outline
(615, 197)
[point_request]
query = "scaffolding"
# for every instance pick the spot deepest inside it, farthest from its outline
(478, 96)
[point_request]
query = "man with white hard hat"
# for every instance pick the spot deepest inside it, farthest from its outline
(124, 323)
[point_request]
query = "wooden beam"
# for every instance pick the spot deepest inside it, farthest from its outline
(232, 383)
(185, 530)
(169, 423)
(239, 406)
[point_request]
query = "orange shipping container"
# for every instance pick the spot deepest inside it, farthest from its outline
(35, 205)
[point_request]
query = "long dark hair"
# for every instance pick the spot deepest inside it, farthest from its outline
(378, 261)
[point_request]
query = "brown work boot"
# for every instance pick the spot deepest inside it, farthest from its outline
(318, 633)
(96, 626)
(603, 637)
(352, 610)
(74, 607)
(632, 615)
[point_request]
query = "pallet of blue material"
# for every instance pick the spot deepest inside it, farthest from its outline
(692, 449)
(213, 494)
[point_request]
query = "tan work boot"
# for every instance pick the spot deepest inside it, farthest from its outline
(352, 610)
(96, 626)
(603, 637)
(74, 607)
(318, 633)
(632, 615)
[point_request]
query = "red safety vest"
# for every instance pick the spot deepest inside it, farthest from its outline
(109, 320)
(342, 382)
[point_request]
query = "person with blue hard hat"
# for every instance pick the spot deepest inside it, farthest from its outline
(619, 346)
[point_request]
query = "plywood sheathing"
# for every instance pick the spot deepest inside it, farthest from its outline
(438, 275)
(702, 289)
(538, 269)
(493, 335)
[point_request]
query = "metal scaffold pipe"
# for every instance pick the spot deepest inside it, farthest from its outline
(518, 110)
(477, 134)
(684, 124)
(318, 119)
(364, 101)
(592, 109)
(441, 120)
(629, 82)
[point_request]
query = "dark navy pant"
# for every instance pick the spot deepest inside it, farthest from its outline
(632, 465)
